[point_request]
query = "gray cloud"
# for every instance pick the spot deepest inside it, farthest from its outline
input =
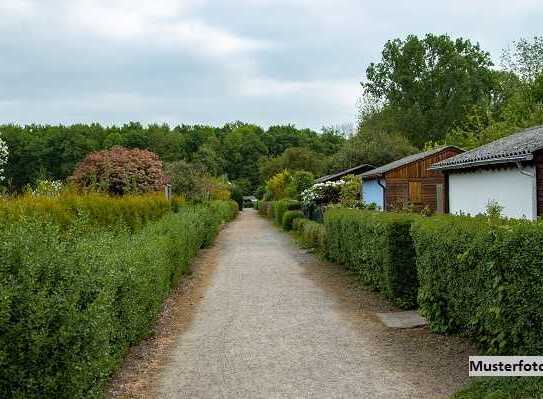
(197, 61)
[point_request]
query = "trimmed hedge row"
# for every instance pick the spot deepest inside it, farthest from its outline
(280, 207)
(100, 210)
(312, 234)
(289, 217)
(73, 301)
(378, 247)
(477, 276)
(483, 278)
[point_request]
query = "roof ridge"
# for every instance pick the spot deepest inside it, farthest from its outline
(515, 146)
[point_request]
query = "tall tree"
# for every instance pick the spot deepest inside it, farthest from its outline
(427, 85)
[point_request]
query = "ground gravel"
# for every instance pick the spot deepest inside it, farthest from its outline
(267, 319)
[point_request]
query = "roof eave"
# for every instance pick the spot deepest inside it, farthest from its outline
(374, 176)
(483, 162)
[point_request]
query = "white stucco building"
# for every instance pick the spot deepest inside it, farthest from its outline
(508, 171)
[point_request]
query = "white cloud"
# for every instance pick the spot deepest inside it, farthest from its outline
(15, 9)
(162, 23)
(342, 92)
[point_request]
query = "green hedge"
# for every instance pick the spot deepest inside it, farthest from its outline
(483, 278)
(280, 207)
(132, 211)
(502, 388)
(265, 208)
(312, 234)
(224, 210)
(378, 247)
(289, 217)
(73, 301)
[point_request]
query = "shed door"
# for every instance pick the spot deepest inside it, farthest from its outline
(415, 192)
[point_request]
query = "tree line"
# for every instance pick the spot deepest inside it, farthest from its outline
(424, 91)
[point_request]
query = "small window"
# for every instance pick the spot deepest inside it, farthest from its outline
(415, 192)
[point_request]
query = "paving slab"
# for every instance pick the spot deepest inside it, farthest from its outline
(406, 319)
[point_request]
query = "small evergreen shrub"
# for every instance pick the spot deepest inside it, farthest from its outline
(378, 247)
(289, 217)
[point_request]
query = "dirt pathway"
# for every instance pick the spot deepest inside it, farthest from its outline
(275, 322)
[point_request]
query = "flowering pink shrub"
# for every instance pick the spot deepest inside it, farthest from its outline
(120, 171)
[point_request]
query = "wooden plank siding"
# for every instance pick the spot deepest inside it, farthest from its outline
(397, 182)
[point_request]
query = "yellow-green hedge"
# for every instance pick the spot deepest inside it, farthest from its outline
(132, 211)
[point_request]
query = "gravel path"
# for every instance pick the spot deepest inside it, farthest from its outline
(275, 322)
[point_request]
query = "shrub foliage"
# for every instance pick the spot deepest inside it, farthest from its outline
(378, 247)
(100, 210)
(482, 277)
(312, 234)
(73, 303)
(289, 217)
(120, 171)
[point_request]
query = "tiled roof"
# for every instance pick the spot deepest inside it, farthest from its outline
(514, 148)
(404, 161)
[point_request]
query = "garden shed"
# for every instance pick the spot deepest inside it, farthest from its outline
(409, 181)
(357, 170)
(508, 171)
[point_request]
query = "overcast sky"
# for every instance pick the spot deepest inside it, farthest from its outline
(197, 61)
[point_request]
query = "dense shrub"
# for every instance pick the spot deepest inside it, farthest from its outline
(289, 217)
(502, 388)
(100, 210)
(72, 304)
(120, 171)
(265, 208)
(224, 210)
(299, 182)
(280, 207)
(312, 234)
(378, 247)
(195, 183)
(482, 277)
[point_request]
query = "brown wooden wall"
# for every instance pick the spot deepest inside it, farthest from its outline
(538, 162)
(397, 181)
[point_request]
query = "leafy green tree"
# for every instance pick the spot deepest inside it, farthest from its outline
(242, 147)
(525, 58)
(427, 85)
(292, 159)
(300, 181)
(374, 148)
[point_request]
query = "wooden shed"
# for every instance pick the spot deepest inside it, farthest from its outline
(409, 181)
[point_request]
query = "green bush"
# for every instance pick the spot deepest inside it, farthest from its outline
(378, 247)
(502, 388)
(280, 207)
(482, 277)
(289, 217)
(224, 210)
(73, 301)
(131, 211)
(312, 234)
(265, 208)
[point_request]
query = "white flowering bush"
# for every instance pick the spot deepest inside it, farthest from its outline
(323, 193)
(3, 157)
